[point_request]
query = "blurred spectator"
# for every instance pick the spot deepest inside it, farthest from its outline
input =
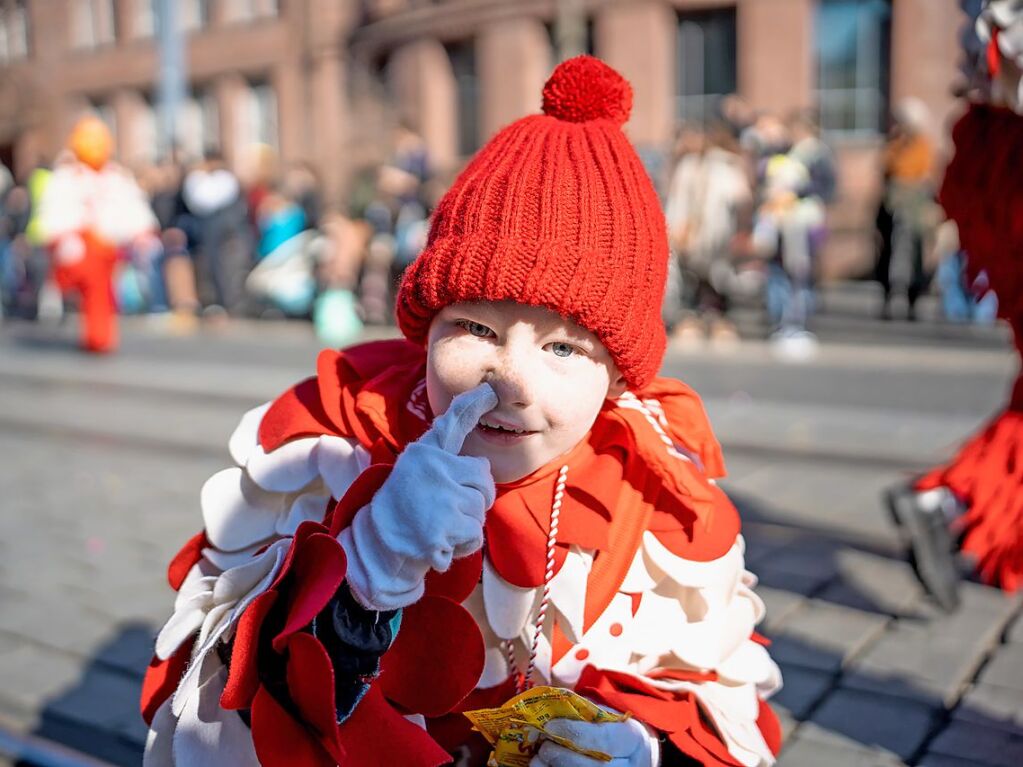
(737, 114)
(708, 201)
(906, 213)
(15, 211)
(787, 224)
(213, 195)
(814, 154)
(335, 314)
(302, 185)
(410, 153)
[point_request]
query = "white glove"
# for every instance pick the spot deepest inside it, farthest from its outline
(629, 743)
(430, 510)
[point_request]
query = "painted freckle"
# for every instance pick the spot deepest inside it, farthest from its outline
(582, 654)
(616, 629)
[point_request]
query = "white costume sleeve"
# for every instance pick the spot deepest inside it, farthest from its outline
(250, 512)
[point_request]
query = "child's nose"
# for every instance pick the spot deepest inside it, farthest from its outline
(511, 386)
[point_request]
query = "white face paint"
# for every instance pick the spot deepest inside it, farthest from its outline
(550, 375)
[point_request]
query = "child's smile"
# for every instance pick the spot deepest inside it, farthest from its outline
(551, 378)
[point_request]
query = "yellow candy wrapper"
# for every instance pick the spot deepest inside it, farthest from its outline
(516, 729)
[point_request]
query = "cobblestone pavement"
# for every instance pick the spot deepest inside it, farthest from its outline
(101, 461)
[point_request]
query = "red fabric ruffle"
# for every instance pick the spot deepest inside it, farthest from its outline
(987, 474)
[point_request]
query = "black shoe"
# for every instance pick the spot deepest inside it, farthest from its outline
(933, 552)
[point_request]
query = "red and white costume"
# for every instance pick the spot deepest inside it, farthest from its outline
(650, 609)
(87, 214)
(983, 193)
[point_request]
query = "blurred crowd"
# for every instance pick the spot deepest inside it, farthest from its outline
(746, 199)
(748, 215)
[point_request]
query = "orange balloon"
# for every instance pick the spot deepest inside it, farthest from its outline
(91, 142)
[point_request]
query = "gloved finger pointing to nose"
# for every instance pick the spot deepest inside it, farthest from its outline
(463, 414)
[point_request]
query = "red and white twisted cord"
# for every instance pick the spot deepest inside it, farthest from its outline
(552, 539)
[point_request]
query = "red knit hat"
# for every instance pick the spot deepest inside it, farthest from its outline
(555, 211)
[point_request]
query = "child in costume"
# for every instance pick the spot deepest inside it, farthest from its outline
(975, 502)
(509, 497)
(90, 209)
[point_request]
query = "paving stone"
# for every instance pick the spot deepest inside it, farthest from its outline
(892, 724)
(824, 636)
(797, 583)
(875, 584)
(788, 722)
(33, 675)
(762, 539)
(991, 705)
(130, 651)
(980, 619)
(940, 760)
(802, 690)
(987, 745)
(780, 605)
(1015, 632)
(117, 693)
(917, 664)
(1005, 668)
(814, 746)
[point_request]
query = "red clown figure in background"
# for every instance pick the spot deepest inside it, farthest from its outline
(975, 502)
(92, 208)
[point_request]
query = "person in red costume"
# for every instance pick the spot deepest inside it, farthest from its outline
(509, 496)
(974, 504)
(91, 209)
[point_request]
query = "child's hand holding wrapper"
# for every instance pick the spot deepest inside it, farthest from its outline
(555, 727)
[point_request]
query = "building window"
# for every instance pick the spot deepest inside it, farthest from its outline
(570, 34)
(463, 66)
(704, 63)
(853, 42)
(144, 19)
(193, 15)
(256, 119)
(249, 10)
(13, 32)
(198, 126)
(93, 23)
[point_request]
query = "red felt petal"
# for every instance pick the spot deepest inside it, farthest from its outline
(310, 676)
(770, 727)
(318, 568)
(359, 494)
(243, 674)
(280, 741)
(436, 659)
(519, 552)
(676, 714)
(460, 579)
(376, 735)
(185, 559)
(700, 541)
(296, 413)
(161, 680)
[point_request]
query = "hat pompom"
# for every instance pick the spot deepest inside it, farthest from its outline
(584, 88)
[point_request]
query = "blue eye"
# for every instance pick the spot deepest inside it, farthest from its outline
(476, 329)
(561, 349)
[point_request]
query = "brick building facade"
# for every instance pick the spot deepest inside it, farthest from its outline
(322, 80)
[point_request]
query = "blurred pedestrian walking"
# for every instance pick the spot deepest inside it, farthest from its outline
(223, 256)
(906, 214)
